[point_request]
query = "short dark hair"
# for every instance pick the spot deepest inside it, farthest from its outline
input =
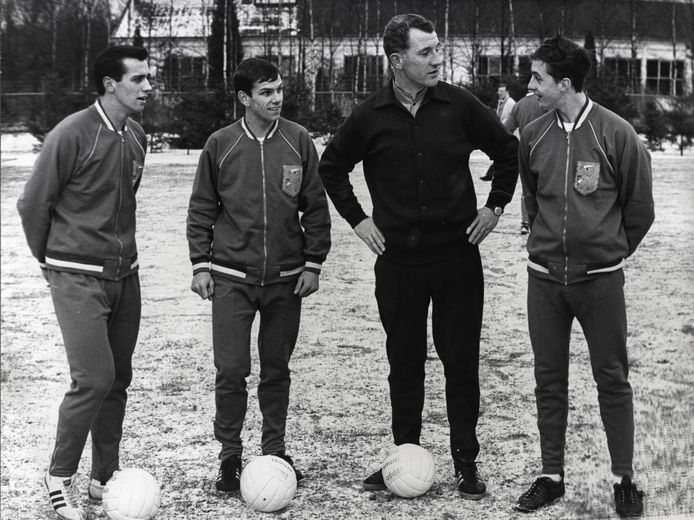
(110, 63)
(564, 59)
(253, 70)
(396, 36)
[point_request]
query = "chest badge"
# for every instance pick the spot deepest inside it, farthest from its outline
(291, 180)
(587, 177)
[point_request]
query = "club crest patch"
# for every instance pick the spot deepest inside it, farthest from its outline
(587, 177)
(291, 179)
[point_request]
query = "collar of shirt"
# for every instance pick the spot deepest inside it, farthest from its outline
(411, 103)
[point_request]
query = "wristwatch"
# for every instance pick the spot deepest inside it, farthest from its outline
(498, 210)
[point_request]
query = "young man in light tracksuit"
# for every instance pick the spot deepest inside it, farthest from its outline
(258, 231)
(588, 191)
(78, 214)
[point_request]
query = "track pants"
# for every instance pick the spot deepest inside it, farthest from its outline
(234, 306)
(455, 289)
(99, 320)
(600, 309)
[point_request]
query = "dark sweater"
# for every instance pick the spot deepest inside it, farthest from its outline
(417, 169)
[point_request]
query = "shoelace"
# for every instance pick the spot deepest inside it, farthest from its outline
(70, 493)
(628, 494)
(537, 488)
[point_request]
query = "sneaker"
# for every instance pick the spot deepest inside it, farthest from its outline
(525, 228)
(628, 500)
(375, 482)
(229, 476)
(543, 492)
(285, 457)
(96, 488)
(62, 493)
(470, 483)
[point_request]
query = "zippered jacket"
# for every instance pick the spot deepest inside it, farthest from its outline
(417, 169)
(78, 206)
(258, 211)
(588, 192)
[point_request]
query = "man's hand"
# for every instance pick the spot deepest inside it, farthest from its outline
(307, 284)
(371, 235)
(203, 285)
(484, 223)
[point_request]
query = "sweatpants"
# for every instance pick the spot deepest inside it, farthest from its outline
(99, 320)
(455, 289)
(599, 307)
(234, 306)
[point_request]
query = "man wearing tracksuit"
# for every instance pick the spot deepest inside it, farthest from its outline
(258, 231)
(78, 214)
(588, 190)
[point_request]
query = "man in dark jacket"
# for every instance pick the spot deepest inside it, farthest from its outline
(415, 136)
(588, 190)
(78, 214)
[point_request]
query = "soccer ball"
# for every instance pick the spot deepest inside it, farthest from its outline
(268, 483)
(131, 494)
(409, 470)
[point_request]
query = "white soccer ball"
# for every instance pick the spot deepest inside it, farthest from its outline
(131, 494)
(409, 470)
(268, 483)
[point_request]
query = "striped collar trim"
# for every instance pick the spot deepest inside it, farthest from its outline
(583, 116)
(105, 118)
(251, 135)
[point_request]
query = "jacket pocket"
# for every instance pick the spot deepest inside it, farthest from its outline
(291, 179)
(587, 177)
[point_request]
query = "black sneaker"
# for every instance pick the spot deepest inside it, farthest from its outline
(628, 500)
(375, 482)
(229, 476)
(543, 492)
(287, 458)
(470, 482)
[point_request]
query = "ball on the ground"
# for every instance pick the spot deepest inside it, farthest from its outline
(409, 470)
(131, 494)
(268, 483)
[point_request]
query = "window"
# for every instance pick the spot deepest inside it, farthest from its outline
(362, 73)
(664, 77)
(622, 69)
(287, 67)
(489, 67)
(183, 73)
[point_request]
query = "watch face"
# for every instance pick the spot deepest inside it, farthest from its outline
(498, 211)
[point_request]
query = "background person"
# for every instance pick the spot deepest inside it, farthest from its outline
(504, 106)
(78, 214)
(588, 189)
(415, 136)
(258, 231)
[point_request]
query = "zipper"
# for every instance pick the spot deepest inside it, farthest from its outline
(262, 169)
(566, 208)
(120, 204)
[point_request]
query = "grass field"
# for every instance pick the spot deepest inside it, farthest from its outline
(339, 424)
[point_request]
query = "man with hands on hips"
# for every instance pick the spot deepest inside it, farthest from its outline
(415, 136)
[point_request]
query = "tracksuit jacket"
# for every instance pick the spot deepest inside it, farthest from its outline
(244, 219)
(417, 169)
(588, 193)
(78, 206)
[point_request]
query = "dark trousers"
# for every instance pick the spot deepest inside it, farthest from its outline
(455, 289)
(599, 307)
(234, 307)
(99, 320)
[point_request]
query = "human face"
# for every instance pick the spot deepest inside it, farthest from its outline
(502, 93)
(132, 89)
(544, 86)
(420, 63)
(264, 105)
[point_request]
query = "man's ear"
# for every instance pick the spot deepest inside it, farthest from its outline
(565, 84)
(395, 60)
(243, 97)
(109, 84)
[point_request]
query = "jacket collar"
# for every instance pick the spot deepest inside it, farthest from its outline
(581, 117)
(386, 96)
(104, 117)
(251, 135)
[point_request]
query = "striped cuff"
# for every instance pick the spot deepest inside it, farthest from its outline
(313, 267)
(201, 267)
